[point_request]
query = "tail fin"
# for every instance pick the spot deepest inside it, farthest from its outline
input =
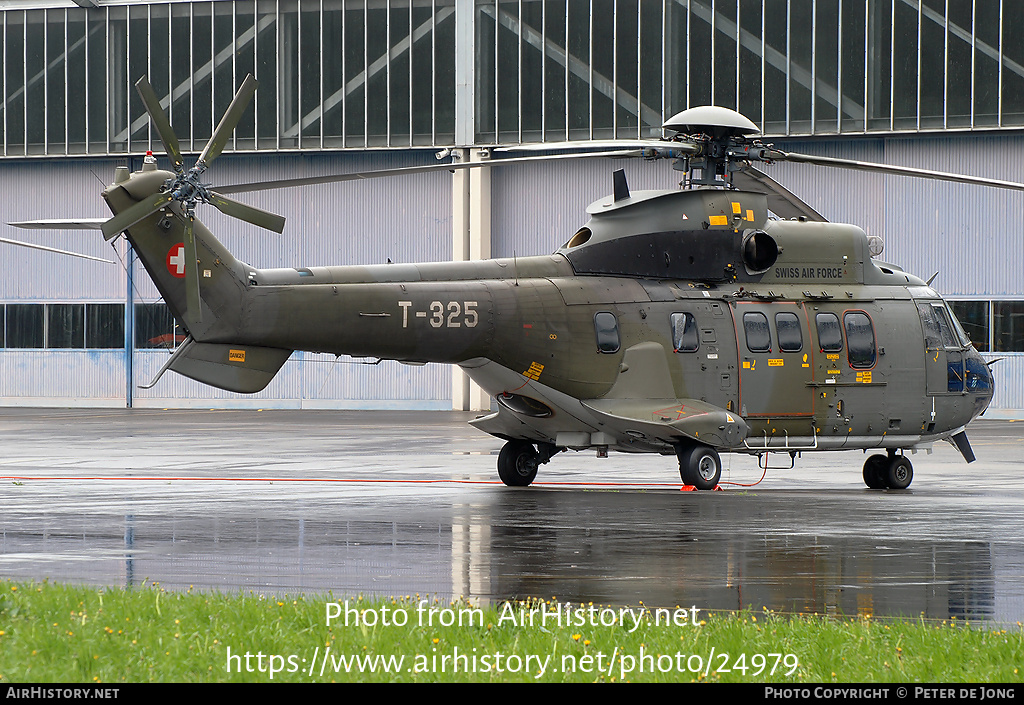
(212, 354)
(158, 240)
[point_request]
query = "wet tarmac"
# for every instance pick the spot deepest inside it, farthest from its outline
(400, 503)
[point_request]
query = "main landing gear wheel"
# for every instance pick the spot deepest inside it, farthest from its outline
(900, 473)
(876, 471)
(892, 472)
(699, 466)
(517, 463)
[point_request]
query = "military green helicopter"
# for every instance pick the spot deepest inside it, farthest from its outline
(684, 322)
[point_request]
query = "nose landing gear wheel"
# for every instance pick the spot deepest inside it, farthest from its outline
(699, 466)
(517, 463)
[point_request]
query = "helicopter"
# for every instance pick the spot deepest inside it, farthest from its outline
(686, 322)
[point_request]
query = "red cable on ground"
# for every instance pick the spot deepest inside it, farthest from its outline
(753, 484)
(328, 479)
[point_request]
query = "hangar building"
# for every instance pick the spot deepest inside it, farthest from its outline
(349, 85)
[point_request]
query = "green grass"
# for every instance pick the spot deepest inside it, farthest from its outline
(58, 633)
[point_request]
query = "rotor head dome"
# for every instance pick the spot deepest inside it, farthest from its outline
(713, 120)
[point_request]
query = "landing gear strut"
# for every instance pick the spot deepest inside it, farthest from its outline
(699, 466)
(892, 471)
(518, 461)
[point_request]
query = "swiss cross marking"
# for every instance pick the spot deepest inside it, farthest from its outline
(176, 260)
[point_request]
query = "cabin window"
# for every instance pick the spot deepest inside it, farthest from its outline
(684, 333)
(860, 339)
(830, 335)
(606, 328)
(787, 326)
(759, 336)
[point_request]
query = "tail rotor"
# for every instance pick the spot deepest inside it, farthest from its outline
(187, 189)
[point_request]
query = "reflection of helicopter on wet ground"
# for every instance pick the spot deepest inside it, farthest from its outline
(679, 321)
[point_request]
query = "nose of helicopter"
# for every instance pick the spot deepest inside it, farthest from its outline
(979, 381)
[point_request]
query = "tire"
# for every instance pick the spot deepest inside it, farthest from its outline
(900, 473)
(700, 466)
(876, 472)
(517, 463)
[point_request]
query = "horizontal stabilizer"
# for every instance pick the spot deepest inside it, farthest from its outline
(246, 369)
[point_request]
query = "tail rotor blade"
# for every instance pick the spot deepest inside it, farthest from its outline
(249, 214)
(130, 216)
(192, 270)
(160, 122)
(227, 123)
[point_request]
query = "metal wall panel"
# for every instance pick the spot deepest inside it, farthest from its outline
(1008, 400)
(536, 208)
(67, 188)
(64, 377)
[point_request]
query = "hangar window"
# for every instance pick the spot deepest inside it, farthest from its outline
(74, 326)
(860, 339)
(155, 327)
(830, 335)
(606, 327)
(25, 325)
(65, 325)
(759, 336)
(787, 326)
(684, 333)
(104, 325)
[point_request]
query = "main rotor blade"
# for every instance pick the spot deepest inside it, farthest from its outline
(652, 145)
(54, 249)
(62, 224)
(227, 124)
(129, 217)
(249, 214)
(455, 166)
(781, 201)
(160, 122)
(192, 270)
(900, 170)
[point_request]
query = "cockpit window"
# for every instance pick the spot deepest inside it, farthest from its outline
(938, 332)
(965, 340)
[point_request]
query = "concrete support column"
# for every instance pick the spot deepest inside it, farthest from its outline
(471, 240)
